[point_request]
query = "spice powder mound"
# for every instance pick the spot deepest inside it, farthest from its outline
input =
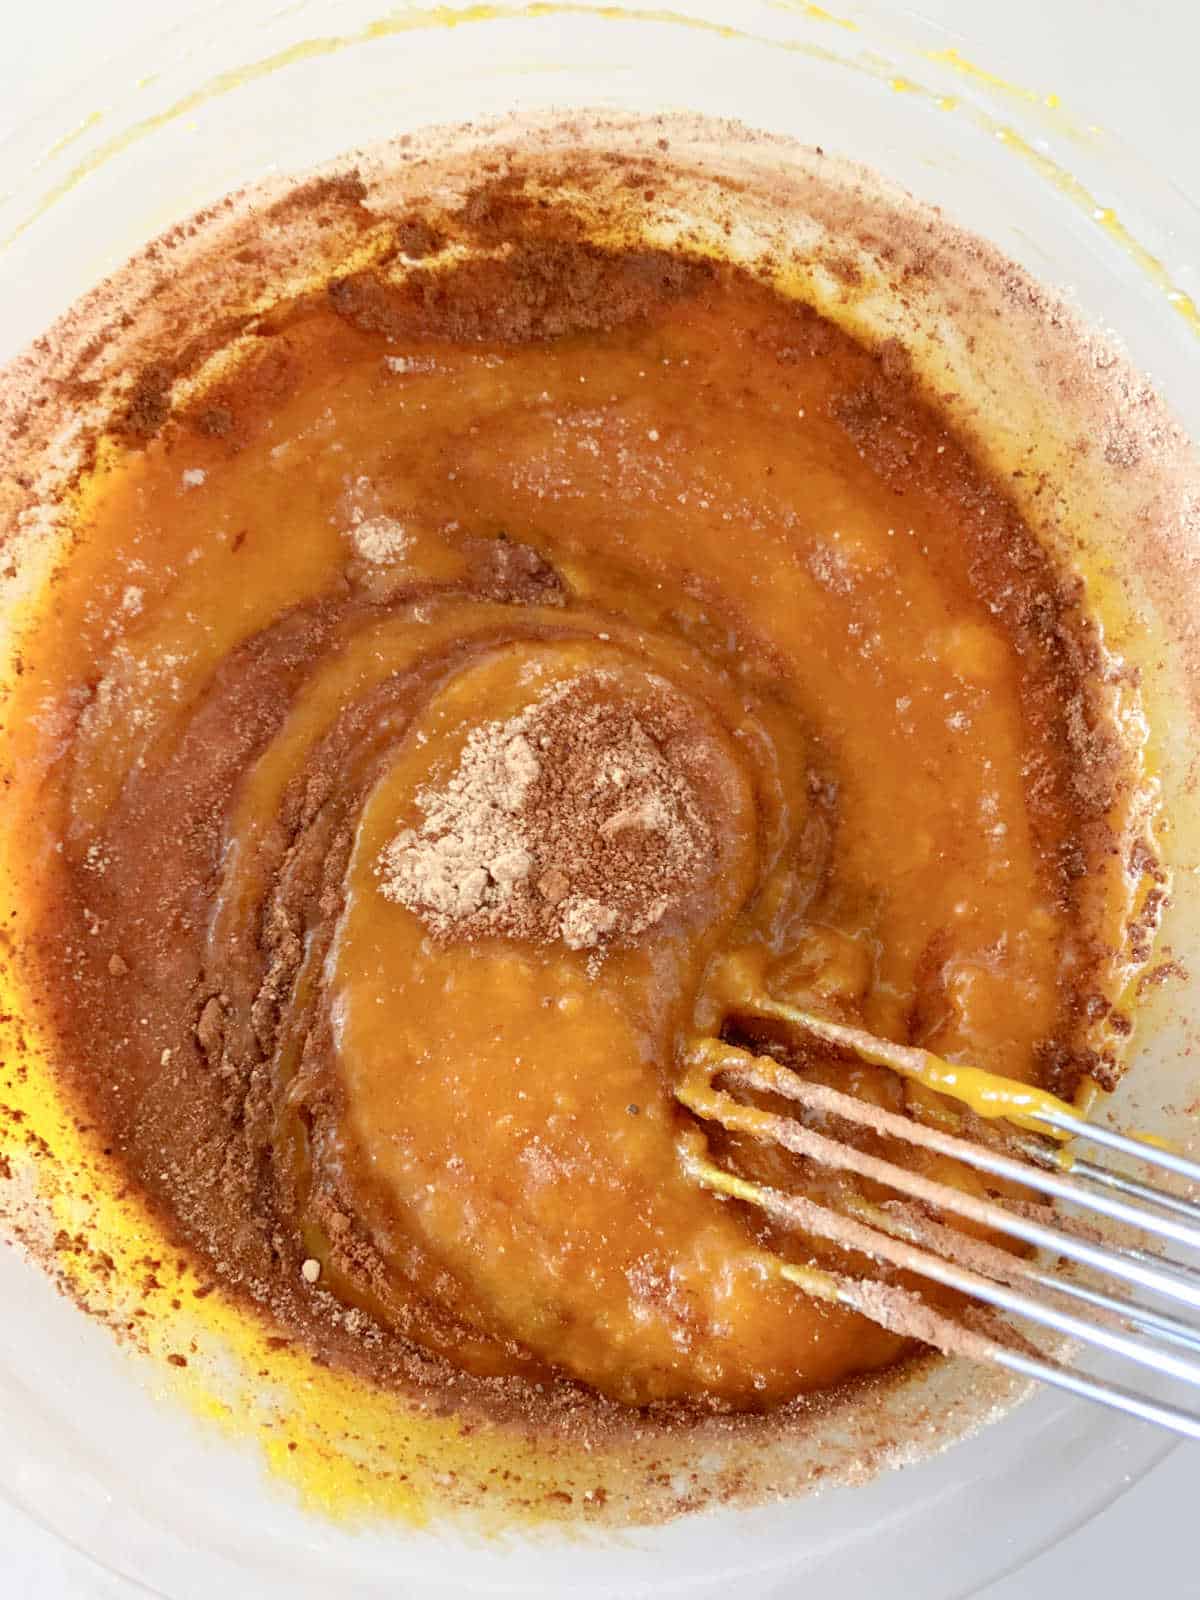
(574, 820)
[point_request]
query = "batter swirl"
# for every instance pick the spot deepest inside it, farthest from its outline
(447, 697)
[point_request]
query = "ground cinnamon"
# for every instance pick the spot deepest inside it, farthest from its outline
(574, 820)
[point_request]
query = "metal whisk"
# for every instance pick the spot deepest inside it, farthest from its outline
(1100, 1277)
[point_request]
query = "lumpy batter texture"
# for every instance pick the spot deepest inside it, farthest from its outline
(357, 632)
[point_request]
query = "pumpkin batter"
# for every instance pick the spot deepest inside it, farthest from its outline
(419, 514)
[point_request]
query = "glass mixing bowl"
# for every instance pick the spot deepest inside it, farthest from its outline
(182, 112)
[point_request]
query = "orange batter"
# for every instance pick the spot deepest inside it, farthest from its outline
(402, 517)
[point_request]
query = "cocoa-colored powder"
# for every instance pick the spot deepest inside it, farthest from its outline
(577, 819)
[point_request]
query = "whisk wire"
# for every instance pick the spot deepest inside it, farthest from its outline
(1148, 1272)
(1121, 1183)
(906, 1237)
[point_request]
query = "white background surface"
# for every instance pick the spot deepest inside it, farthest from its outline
(1134, 72)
